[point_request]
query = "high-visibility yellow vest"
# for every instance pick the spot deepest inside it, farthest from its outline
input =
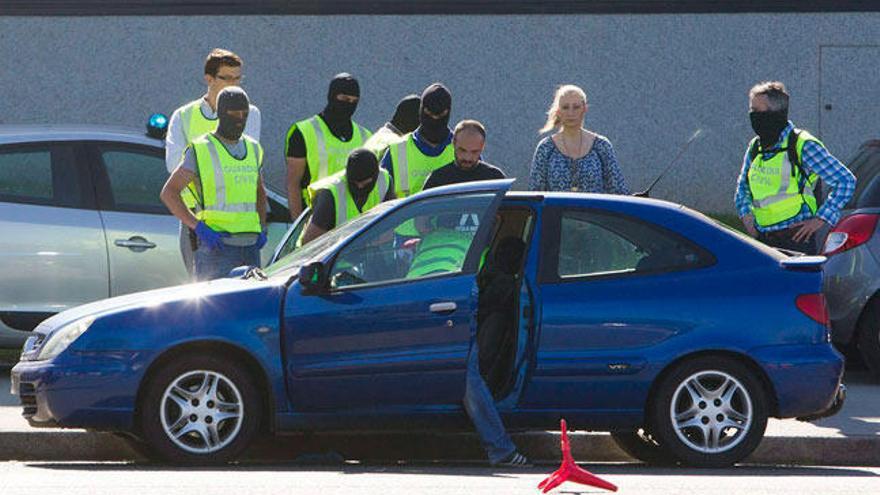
(194, 125)
(325, 153)
(229, 185)
(440, 251)
(412, 167)
(775, 183)
(381, 140)
(346, 209)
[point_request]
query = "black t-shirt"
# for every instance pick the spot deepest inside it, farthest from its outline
(453, 174)
(296, 145)
(324, 208)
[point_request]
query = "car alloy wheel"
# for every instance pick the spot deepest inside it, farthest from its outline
(199, 409)
(202, 411)
(711, 411)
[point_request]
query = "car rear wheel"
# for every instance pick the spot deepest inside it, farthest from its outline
(709, 411)
(869, 336)
(200, 410)
(642, 445)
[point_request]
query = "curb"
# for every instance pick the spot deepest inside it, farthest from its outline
(78, 445)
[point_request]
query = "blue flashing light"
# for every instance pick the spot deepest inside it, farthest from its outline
(157, 125)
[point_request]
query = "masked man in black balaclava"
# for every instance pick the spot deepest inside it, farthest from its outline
(426, 149)
(777, 192)
(229, 228)
(318, 147)
(404, 121)
(362, 186)
(232, 114)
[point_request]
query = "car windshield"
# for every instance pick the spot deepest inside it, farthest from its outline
(289, 264)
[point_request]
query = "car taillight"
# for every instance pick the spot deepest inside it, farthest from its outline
(813, 305)
(852, 231)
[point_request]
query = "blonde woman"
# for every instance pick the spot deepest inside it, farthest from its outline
(574, 158)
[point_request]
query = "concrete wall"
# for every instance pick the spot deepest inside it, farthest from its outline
(652, 80)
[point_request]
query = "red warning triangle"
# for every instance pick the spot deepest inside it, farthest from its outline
(569, 471)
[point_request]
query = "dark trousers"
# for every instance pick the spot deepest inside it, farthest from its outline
(782, 239)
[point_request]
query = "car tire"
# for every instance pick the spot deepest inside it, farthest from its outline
(709, 412)
(641, 444)
(200, 409)
(869, 337)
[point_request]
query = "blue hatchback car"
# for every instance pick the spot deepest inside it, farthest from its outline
(635, 316)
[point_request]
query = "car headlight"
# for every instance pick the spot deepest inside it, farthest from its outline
(61, 339)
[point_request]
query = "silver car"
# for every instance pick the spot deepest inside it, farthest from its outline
(81, 220)
(852, 272)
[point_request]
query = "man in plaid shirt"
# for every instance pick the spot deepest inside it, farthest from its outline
(775, 192)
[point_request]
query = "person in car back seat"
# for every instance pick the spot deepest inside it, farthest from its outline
(489, 359)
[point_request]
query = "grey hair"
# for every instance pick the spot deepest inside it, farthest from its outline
(775, 92)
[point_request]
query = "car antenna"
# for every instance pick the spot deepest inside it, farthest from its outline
(647, 192)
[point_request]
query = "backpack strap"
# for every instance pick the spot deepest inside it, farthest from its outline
(792, 147)
(753, 149)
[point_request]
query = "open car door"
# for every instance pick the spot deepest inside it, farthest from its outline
(389, 320)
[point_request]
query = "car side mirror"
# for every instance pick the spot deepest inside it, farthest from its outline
(313, 278)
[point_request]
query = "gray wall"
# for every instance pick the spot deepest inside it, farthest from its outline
(652, 80)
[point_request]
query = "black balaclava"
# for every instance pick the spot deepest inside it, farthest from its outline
(768, 126)
(362, 164)
(231, 98)
(436, 98)
(406, 116)
(337, 113)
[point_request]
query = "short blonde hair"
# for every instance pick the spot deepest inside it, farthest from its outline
(552, 118)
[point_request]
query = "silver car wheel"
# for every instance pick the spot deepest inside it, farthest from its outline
(711, 412)
(201, 411)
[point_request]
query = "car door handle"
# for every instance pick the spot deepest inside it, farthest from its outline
(135, 243)
(443, 307)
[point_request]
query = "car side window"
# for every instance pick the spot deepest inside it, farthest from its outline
(593, 243)
(430, 238)
(290, 242)
(40, 174)
(136, 176)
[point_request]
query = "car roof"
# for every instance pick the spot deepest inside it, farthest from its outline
(592, 199)
(74, 132)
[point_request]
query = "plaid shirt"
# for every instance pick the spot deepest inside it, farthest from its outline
(816, 159)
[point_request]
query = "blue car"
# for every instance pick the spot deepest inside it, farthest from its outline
(635, 316)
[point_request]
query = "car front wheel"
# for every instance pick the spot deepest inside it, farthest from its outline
(709, 411)
(200, 410)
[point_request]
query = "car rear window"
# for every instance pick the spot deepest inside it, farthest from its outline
(26, 176)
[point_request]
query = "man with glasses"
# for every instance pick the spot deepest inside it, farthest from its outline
(199, 117)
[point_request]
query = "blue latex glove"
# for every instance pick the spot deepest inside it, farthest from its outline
(261, 240)
(209, 237)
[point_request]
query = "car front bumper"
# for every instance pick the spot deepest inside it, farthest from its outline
(81, 391)
(805, 378)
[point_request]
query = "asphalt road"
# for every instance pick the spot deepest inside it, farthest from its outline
(95, 479)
